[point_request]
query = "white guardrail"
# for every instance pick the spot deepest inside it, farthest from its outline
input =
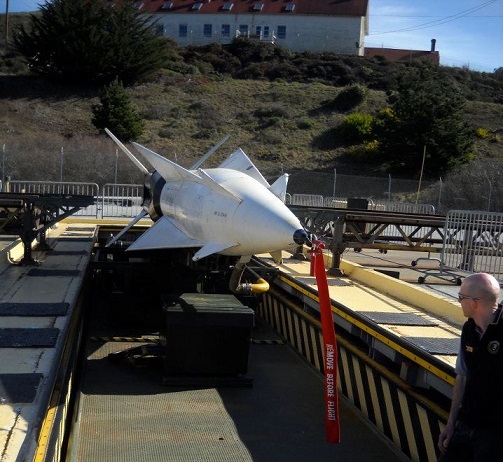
(472, 241)
(114, 200)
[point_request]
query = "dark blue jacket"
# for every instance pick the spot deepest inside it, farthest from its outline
(482, 404)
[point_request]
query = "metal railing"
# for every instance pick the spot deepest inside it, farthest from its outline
(315, 200)
(114, 200)
(473, 242)
(121, 200)
(50, 187)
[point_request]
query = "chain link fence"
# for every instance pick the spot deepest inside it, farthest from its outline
(477, 187)
(333, 184)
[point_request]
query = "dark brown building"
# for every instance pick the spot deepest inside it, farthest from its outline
(402, 55)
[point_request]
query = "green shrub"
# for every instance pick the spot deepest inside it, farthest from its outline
(276, 110)
(482, 133)
(357, 128)
(305, 123)
(365, 151)
(350, 97)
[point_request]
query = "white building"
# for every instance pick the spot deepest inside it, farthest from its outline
(338, 26)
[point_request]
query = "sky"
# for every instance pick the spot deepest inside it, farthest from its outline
(468, 33)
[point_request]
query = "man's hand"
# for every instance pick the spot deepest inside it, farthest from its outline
(445, 437)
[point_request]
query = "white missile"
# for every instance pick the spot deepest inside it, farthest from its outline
(229, 210)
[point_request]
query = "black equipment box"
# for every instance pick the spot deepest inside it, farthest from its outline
(206, 335)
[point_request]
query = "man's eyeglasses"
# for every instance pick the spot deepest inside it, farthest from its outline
(463, 297)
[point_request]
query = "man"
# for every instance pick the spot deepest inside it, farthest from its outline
(474, 431)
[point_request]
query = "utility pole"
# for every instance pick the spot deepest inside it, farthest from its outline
(6, 21)
(421, 174)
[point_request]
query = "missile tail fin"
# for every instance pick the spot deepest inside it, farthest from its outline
(167, 169)
(209, 153)
(278, 188)
(239, 161)
(127, 228)
(126, 151)
(164, 234)
(210, 248)
(210, 182)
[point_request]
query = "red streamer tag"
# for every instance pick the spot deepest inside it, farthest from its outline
(330, 349)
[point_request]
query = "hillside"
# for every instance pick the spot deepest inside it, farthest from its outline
(284, 124)
(281, 125)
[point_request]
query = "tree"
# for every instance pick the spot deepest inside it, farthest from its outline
(427, 111)
(117, 113)
(91, 42)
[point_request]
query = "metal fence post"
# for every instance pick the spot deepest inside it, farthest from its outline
(489, 193)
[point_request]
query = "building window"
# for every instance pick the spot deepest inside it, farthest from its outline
(226, 30)
(258, 31)
(207, 30)
(266, 31)
(159, 29)
(243, 30)
(182, 30)
(281, 32)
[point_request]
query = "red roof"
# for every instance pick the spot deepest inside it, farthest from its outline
(392, 54)
(314, 7)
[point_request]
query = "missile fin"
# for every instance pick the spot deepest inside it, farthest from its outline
(209, 181)
(127, 228)
(277, 256)
(210, 248)
(239, 161)
(278, 188)
(210, 152)
(167, 169)
(163, 234)
(126, 151)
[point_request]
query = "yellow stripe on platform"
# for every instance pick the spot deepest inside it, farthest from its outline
(374, 333)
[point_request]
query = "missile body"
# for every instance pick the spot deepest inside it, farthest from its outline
(230, 210)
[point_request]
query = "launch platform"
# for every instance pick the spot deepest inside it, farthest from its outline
(63, 398)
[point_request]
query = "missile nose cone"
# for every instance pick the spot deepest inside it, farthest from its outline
(300, 237)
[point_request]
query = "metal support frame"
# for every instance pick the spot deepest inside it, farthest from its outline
(30, 215)
(369, 229)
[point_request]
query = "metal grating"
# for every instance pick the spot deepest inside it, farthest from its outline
(402, 319)
(25, 337)
(33, 309)
(18, 388)
(39, 272)
(436, 346)
(137, 419)
(68, 237)
(67, 252)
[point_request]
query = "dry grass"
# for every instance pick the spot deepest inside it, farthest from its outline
(282, 126)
